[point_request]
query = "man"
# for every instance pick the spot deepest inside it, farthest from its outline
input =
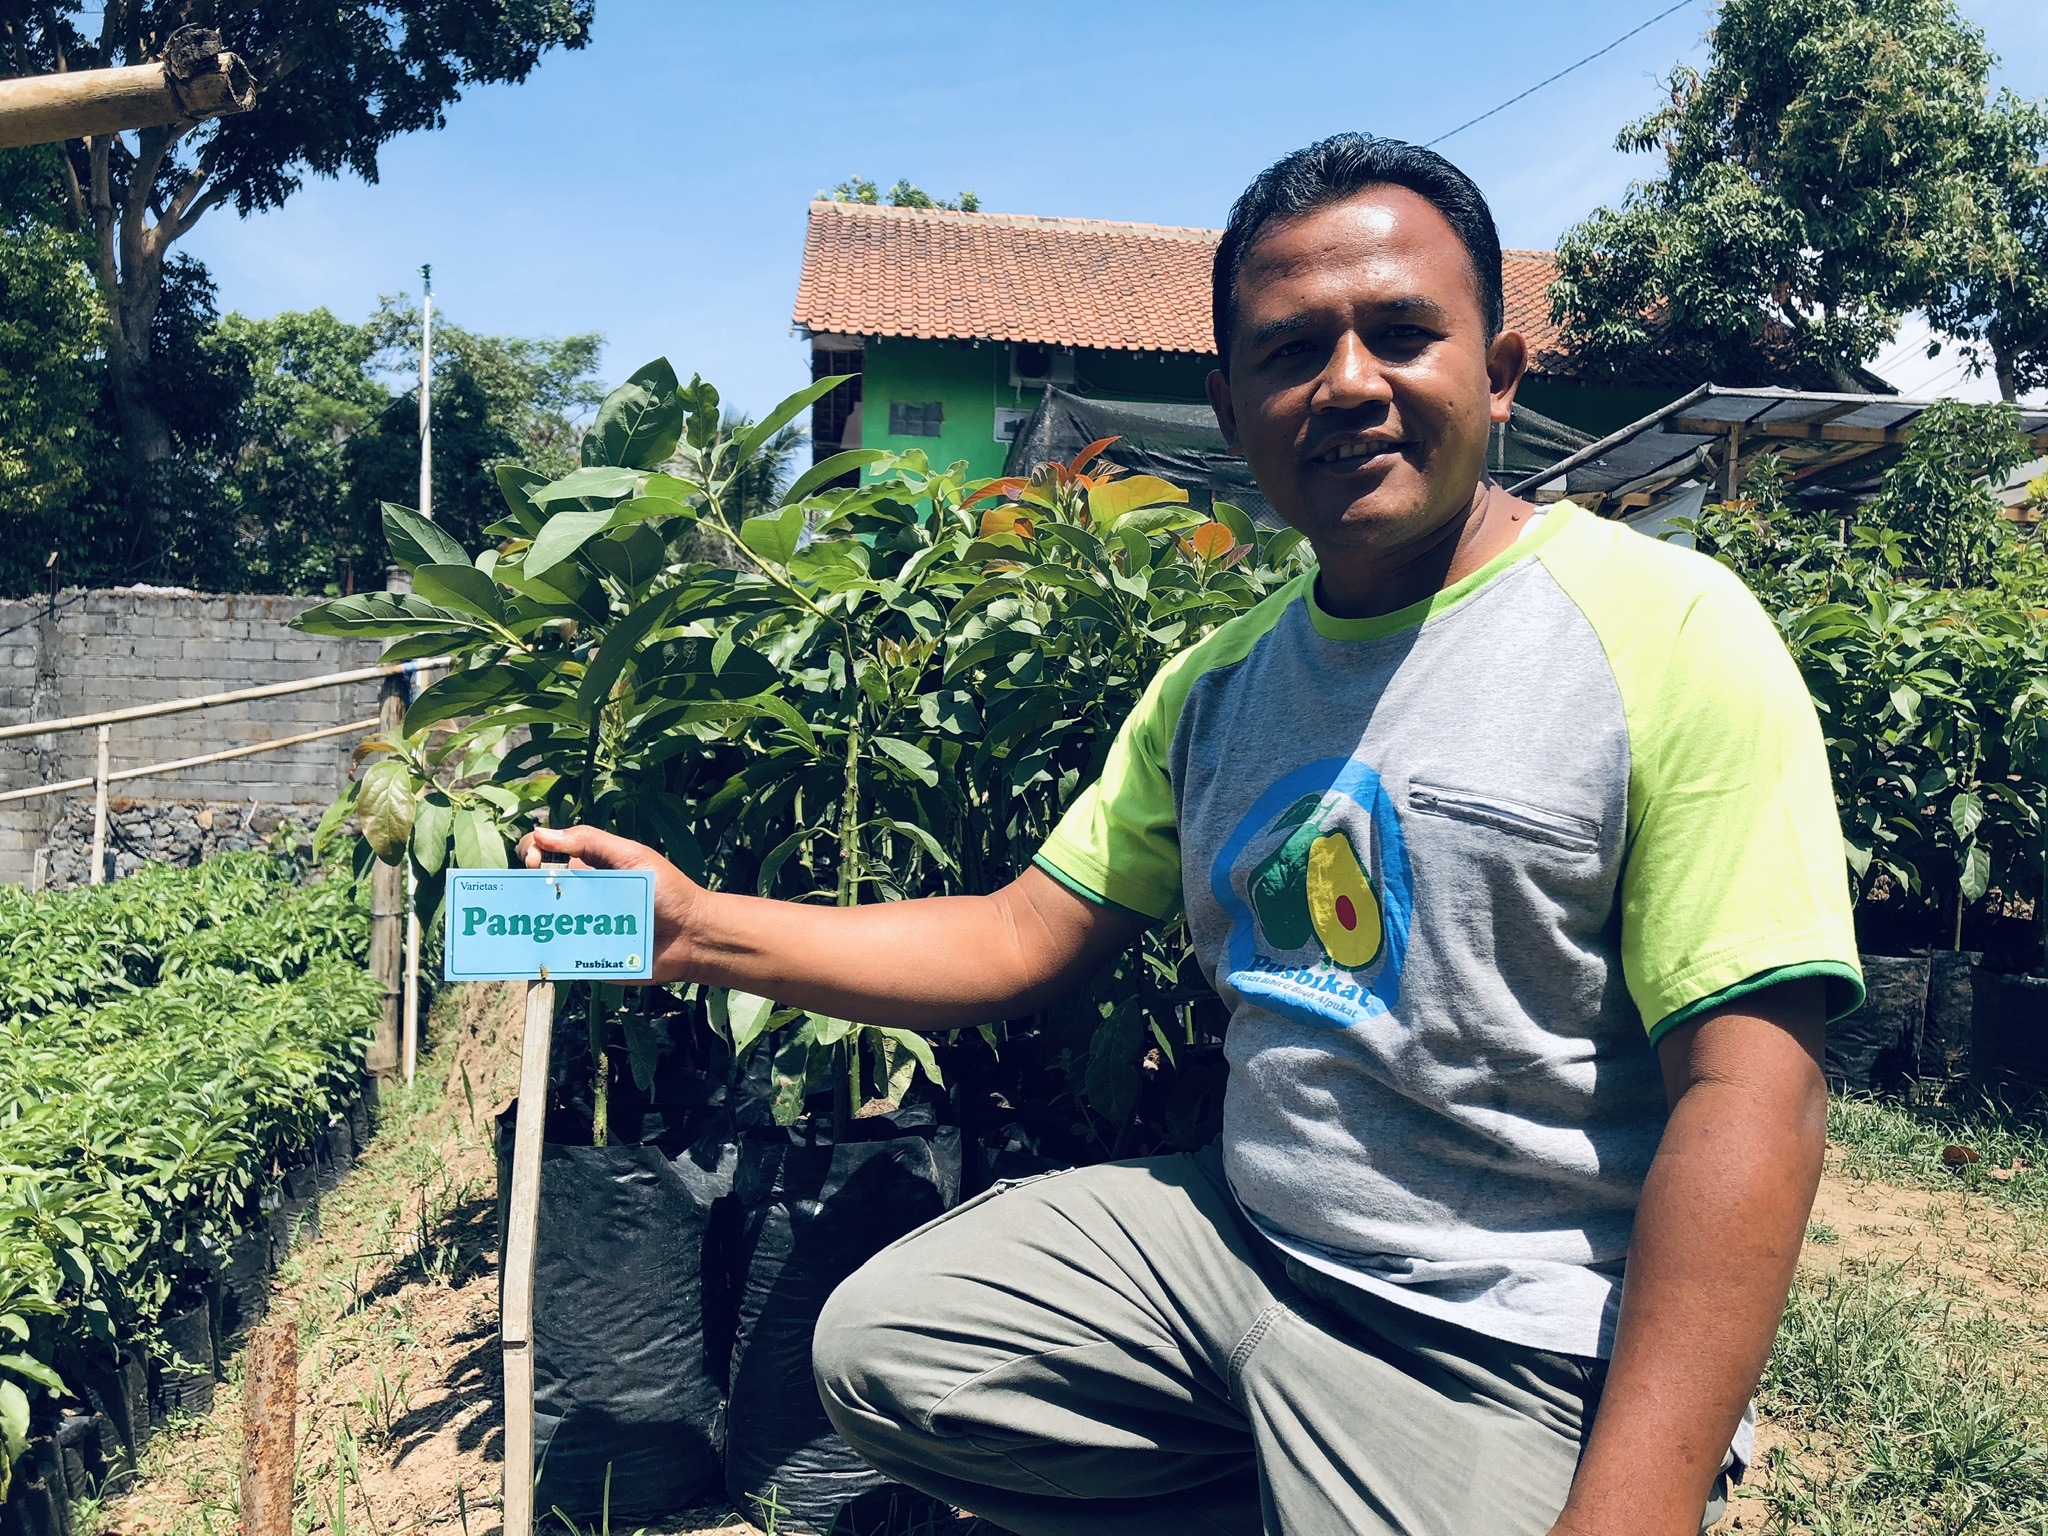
(1507, 837)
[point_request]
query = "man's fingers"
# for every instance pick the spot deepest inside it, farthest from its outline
(587, 848)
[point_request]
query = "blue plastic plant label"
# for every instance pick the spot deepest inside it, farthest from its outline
(550, 923)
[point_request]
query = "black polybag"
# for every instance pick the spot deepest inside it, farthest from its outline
(184, 1382)
(1879, 1044)
(809, 1217)
(622, 1381)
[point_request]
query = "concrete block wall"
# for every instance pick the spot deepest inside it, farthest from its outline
(134, 645)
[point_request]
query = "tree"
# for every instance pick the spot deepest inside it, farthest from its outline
(334, 83)
(50, 363)
(1839, 163)
(313, 394)
(496, 399)
(1995, 300)
(904, 194)
(539, 389)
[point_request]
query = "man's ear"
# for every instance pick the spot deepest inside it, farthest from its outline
(1226, 411)
(1507, 360)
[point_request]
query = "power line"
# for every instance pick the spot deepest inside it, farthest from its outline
(1589, 58)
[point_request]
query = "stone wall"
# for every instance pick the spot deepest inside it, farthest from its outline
(111, 649)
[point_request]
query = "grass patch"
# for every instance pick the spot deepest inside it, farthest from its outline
(1903, 1144)
(1905, 1414)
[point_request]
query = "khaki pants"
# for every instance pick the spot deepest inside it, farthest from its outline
(1115, 1349)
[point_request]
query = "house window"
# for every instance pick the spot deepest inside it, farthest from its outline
(916, 418)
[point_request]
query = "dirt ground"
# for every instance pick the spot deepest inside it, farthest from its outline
(396, 1305)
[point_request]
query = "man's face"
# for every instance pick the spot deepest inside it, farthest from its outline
(1362, 388)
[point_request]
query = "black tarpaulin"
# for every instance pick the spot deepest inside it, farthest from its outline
(1181, 443)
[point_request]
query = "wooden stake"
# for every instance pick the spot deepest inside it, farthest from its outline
(99, 813)
(522, 1225)
(270, 1437)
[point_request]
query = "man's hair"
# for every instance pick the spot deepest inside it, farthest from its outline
(1342, 166)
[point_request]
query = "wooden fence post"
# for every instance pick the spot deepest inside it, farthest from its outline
(270, 1440)
(99, 812)
(521, 1227)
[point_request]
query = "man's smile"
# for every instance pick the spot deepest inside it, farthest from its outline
(1359, 450)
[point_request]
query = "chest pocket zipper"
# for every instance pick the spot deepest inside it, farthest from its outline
(1557, 828)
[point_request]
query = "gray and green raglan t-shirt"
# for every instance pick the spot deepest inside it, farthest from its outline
(1455, 870)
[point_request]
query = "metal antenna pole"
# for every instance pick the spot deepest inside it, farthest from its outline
(427, 392)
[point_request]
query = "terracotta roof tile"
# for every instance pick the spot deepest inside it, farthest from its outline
(876, 271)
(872, 271)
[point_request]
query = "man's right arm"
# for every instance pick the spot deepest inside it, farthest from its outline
(930, 964)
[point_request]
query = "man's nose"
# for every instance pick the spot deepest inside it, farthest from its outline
(1351, 378)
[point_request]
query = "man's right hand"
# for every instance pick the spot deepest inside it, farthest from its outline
(675, 893)
(931, 964)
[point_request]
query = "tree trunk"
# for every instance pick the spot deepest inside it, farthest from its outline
(2007, 375)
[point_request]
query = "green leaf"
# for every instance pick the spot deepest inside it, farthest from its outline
(414, 541)
(771, 865)
(827, 470)
(1114, 1077)
(918, 1046)
(466, 691)
(621, 643)
(1280, 546)
(594, 482)
(643, 1050)
(384, 806)
(13, 1422)
(914, 760)
(432, 825)
(774, 537)
(477, 842)
(562, 535)
(795, 1064)
(920, 836)
(370, 614)
(461, 587)
(632, 558)
(34, 1370)
(514, 481)
(749, 1018)
(1965, 814)
(332, 819)
(782, 416)
(1976, 875)
(1907, 702)
(640, 422)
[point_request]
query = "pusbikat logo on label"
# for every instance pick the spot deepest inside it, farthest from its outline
(1316, 882)
(523, 924)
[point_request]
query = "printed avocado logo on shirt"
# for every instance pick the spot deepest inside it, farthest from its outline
(1313, 883)
(1316, 882)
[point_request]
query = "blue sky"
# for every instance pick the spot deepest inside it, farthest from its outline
(653, 186)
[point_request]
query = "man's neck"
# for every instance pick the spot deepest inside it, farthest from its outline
(1371, 583)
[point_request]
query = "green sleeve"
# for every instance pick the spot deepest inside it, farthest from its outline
(1734, 874)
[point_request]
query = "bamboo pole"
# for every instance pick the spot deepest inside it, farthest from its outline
(522, 1227)
(195, 79)
(99, 812)
(150, 770)
(387, 914)
(410, 1042)
(270, 1441)
(215, 700)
